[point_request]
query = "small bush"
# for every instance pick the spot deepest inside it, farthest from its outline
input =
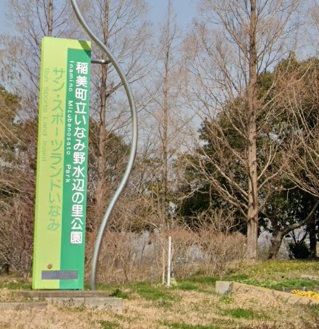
(299, 250)
(137, 257)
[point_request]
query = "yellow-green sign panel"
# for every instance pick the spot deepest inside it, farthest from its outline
(62, 156)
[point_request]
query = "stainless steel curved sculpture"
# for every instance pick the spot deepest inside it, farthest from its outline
(133, 149)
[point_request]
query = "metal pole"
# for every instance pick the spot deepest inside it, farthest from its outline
(169, 261)
(163, 262)
(111, 60)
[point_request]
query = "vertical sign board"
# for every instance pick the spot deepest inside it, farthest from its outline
(61, 184)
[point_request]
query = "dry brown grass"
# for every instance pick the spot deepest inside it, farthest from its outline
(130, 257)
(185, 310)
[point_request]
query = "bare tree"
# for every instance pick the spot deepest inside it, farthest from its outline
(20, 71)
(235, 43)
(302, 147)
(168, 37)
(167, 113)
(121, 25)
(32, 20)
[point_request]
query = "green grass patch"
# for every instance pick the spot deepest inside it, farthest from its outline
(283, 284)
(119, 293)
(153, 293)
(188, 286)
(205, 280)
(15, 284)
(278, 275)
(241, 313)
(278, 269)
(177, 325)
(226, 299)
(273, 274)
(108, 324)
(238, 277)
(291, 284)
(204, 284)
(102, 286)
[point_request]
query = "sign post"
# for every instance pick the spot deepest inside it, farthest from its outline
(61, 184)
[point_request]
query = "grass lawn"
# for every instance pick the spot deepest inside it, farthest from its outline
(280, 275)
(192, 304)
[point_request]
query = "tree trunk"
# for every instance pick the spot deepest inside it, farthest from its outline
(312, 237)
(165, 140)
(278, 236)
(275, 245)
(101, 188)
(252, 215)
(100, 192)
(50, 18)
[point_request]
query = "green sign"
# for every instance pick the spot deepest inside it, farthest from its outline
(62, 156)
